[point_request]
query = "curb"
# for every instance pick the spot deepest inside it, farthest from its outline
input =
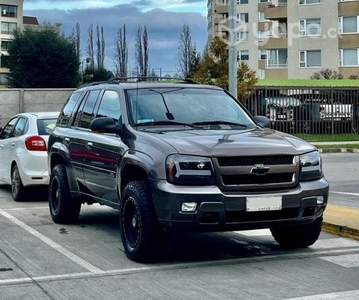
(341, 230)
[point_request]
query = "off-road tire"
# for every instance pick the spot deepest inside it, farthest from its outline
(64, 209)
(143, 239)
(299, 236)
(18, 191)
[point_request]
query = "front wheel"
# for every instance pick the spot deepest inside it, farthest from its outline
(299, 236)
(142, 236)
(64, 209)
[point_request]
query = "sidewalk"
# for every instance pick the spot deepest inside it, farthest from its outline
(339, 149)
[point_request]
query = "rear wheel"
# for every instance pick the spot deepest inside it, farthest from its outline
(17, 188)
(142, 236)
(299, 236)
(64, 209)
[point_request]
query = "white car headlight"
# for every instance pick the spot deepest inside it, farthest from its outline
(310, 166)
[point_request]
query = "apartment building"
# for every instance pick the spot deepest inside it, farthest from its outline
(291, 38)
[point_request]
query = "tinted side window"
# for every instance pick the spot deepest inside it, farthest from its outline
(110, 105)
(66, 112)
(21, 127)
(86, 112)
(7, 131)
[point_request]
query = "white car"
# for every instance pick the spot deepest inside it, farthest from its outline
(23, 151)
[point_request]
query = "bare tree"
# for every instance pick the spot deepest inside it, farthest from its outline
(90, 47)
(100, 43)
(75, 37)
(121, 52)
(142, 52)
(185, 51)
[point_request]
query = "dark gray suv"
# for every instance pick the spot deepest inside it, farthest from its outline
(181, 157)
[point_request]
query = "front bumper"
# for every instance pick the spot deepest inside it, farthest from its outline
(219, 211)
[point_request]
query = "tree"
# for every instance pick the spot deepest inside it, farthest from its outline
(100, 43)
(90, 47)
(42, 59)
(185, 50)
(213, 69)
(76, 38)
(121, 52)
(142, 52)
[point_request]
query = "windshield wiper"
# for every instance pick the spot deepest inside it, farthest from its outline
(220, 123)
(164, 123)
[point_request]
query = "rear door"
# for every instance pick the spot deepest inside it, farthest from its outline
(104, 151)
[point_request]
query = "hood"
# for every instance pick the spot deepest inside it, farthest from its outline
(234, 142)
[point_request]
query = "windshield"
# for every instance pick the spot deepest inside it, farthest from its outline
(185, 106)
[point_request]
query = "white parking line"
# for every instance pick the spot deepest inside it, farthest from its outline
(345, 193)
(349, 295)
(78, 260)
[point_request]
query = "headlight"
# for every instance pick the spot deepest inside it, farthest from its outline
(189, 170)
(310, 166)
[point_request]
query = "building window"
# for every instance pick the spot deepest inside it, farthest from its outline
(5, 44)
(243, 36)
(263, 54)
(261, 17)
(348, 24)
(8, 27)
(349, 57)
(277, 58)
(263, 1)
(310, 58)
(4, 61)
(261, 74)
(9, 11)
(310, 27)
(243, 55)
(4, 79)
(242, 1)
(301, 2)
(243, 18)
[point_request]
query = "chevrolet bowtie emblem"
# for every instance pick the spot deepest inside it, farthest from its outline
(259, 170)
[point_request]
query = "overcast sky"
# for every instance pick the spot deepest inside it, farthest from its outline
(164, 20)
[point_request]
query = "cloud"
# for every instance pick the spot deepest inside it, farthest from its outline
(164, 28)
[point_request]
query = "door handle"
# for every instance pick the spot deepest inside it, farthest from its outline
(89, 145)
(67, 140)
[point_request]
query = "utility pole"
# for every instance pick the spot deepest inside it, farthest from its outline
(232, 49)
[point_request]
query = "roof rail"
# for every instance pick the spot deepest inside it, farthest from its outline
(151, 79)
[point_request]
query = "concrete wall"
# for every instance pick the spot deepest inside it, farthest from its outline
(13, 101)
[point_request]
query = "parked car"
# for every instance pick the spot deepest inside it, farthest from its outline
(181, 157)
(324, 116)
(23, 156)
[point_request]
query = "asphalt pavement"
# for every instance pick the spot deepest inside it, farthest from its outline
(340, 220)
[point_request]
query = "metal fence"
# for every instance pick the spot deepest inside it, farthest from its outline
(330, 112)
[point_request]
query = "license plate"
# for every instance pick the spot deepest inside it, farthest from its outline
(264, 203)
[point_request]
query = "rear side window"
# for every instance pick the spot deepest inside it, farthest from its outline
(86, 112)
(21, 127)
(66, 112)
(45, 126)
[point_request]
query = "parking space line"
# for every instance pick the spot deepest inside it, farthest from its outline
(345, 193)
(78, 260)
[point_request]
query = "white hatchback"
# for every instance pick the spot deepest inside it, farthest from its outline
(23, 151)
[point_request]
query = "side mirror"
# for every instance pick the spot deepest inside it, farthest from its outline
(105, 125)
(262, 121)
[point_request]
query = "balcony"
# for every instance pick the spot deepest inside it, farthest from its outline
(276, 12)
(275, 40)
(221, 9)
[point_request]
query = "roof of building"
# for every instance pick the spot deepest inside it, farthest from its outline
(30, 20)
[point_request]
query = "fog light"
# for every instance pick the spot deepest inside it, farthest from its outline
(189, 206)
(320, 200)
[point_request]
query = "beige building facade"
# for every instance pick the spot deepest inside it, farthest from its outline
(291, 38)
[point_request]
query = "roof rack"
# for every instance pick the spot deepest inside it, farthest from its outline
(117, 80)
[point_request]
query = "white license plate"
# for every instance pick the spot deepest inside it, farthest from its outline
(264, 203)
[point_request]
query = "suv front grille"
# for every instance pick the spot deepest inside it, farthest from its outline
(252, 160)
(257, 172)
